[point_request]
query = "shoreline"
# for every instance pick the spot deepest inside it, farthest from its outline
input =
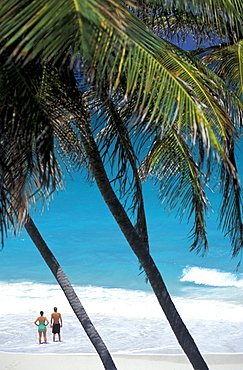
(23, 361)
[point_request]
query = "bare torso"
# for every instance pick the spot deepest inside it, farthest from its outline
(56, 317)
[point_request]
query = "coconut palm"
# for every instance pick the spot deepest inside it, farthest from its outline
(217, 30)
(145, 88)
(72, 297)
(182, 90)
(22, 162)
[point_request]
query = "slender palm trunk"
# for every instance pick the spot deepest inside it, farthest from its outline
(180, 330)
(70, 294)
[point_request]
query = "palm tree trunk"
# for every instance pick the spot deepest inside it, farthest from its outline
(70, 294)
(140, 249)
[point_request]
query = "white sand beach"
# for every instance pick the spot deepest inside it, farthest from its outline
(20, 361)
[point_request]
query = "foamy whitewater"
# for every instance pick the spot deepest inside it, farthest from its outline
(81, 233)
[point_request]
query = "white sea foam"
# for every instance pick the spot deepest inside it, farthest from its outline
(211, 277)
(128, 321)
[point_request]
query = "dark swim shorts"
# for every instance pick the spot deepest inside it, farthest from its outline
(56, 329)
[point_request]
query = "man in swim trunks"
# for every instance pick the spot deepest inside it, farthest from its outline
(56, 320)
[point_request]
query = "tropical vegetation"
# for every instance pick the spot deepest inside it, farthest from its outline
(101, 85)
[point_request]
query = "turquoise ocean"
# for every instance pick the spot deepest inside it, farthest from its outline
(78, 228)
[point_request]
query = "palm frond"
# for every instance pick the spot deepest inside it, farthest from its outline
(34, 108)
(114, 139)
(231, 206)
(162, 87)
(179, 177)
(60, 87)
(227, 62)
(28, 164)
(219, 18)
(117, 45)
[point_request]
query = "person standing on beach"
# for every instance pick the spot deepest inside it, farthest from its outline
(56, 324)
(43, 322)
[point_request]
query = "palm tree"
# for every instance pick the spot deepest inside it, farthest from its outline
(218, 44)
(22, 177)
(165, 94)
(72, 297)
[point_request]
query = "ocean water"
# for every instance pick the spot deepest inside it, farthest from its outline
(78, 228)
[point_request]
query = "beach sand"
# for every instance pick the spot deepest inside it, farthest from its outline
(20, 361)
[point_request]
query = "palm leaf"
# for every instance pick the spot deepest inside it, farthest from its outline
(227, 62)
(219, 19)
(116, 44)
(34, 109)
(230, 216)
(28, 164)
(160, 83)
(115, 141)
(171, 163)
